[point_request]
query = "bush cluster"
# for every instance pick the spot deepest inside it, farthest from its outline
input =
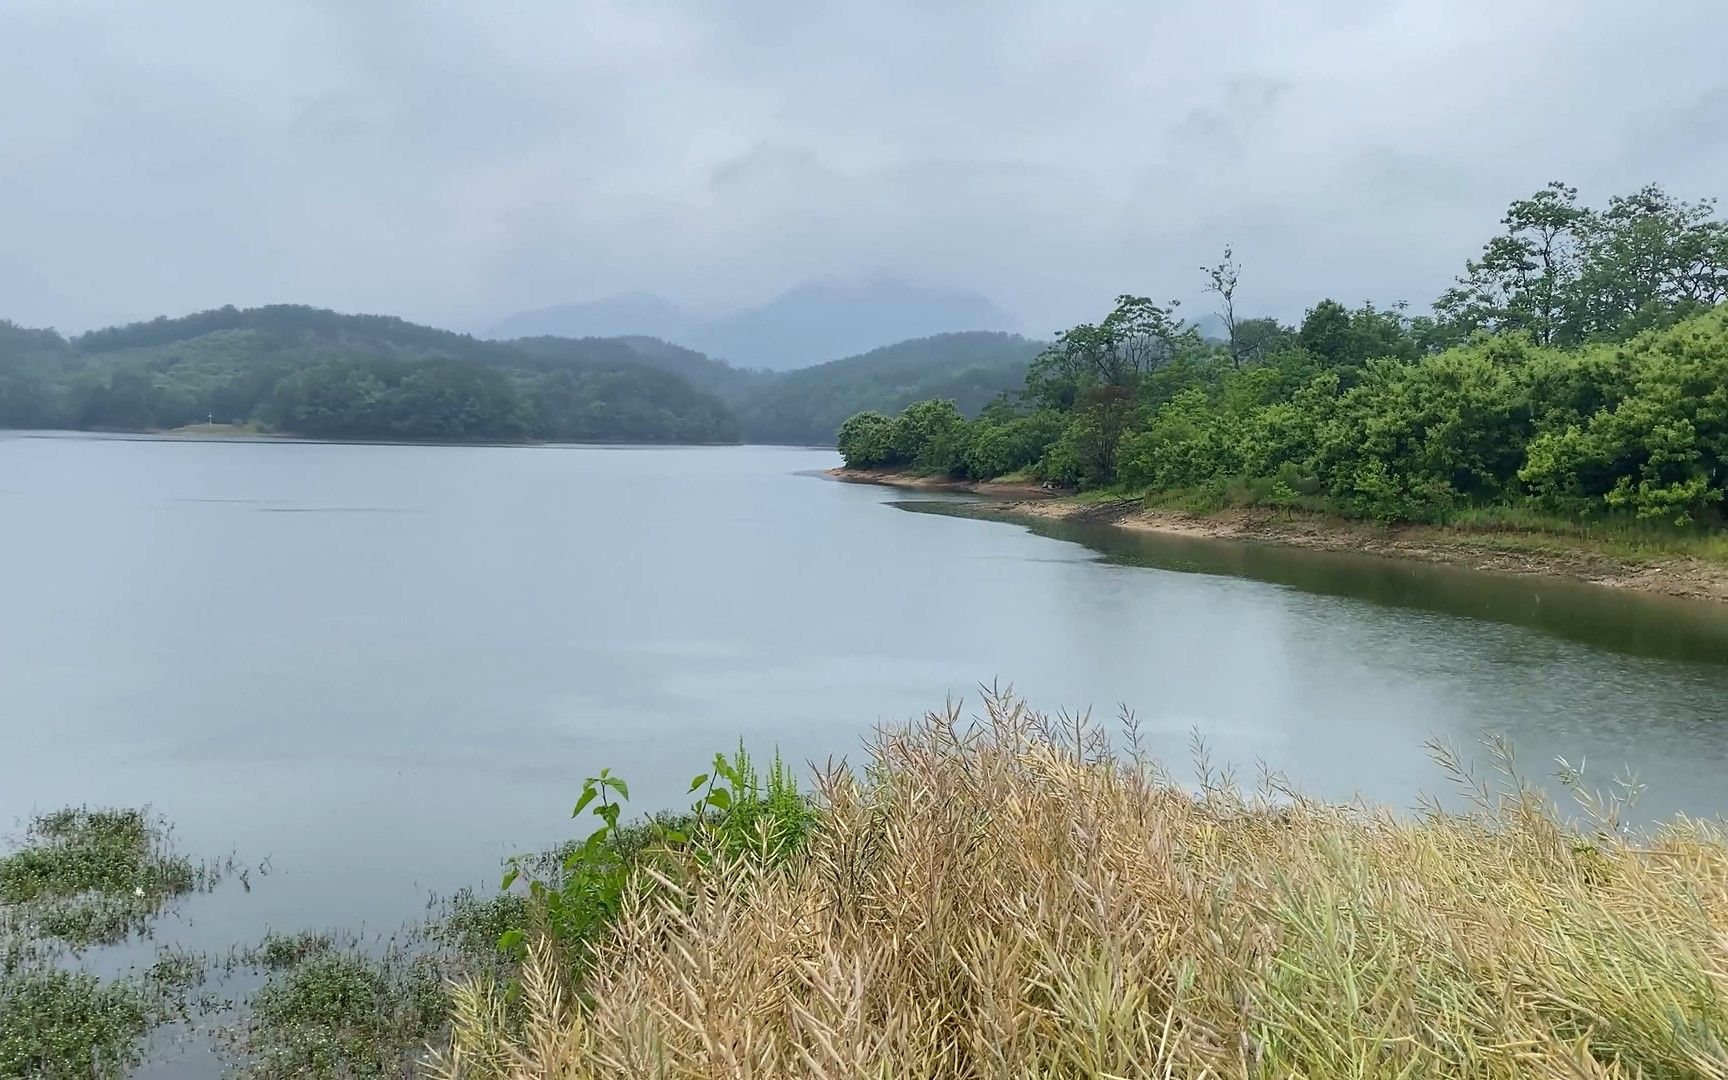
(1373, 413)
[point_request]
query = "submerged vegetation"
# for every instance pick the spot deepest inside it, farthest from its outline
(309, 1004)
(329, 1010)
(83, 878)
(94, 876)
(1010, 898)
(1578, 372)
(66, 1023)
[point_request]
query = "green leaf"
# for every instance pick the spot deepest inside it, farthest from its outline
(701, 778)
(588, 794)
(510, 877)
(721, 798)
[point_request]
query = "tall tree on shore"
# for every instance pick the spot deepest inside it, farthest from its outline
(1566, 274)
(1527, 277)
(1649, 256)
(1137, 338)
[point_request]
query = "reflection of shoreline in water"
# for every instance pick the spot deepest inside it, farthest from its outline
(1637, 623)
(1666, 573)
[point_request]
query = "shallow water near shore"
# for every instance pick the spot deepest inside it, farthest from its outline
(384, 667)
(1619, 620)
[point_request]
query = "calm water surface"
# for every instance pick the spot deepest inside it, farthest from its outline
(385, 667)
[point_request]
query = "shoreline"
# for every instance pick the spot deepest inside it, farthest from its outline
(229, 433)
(1524, 553)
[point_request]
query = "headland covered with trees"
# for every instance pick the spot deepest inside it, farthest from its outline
(1578, 367)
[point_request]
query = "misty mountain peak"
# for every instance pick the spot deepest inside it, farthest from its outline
(813, 321)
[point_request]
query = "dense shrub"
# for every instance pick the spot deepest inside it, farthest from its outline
(997, 446)
(1658, 445)
(866, 441)
(1598, 386)
(1639, 426)
(930, 437)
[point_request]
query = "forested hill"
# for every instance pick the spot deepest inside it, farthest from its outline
(807, 406)
(730, 384)
(297, 323)
(314, 372)
(310, 371)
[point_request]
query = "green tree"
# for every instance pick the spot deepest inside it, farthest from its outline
(1339, 337)
(1649, 258)
(930, 436)
(1527, 277)
(1136, 339)
(1325, 333)
(1257, 340)
(997, 444)
(866, 441)
(1087, 452)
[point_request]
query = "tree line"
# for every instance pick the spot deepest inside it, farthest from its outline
(1579, 365)
(313, 372)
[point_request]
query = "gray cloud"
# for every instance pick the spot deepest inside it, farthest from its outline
(456, 162)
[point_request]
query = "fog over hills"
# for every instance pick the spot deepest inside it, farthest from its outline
(621, 315)
(808, 324)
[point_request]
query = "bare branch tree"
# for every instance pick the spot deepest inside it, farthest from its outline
(1221, 279)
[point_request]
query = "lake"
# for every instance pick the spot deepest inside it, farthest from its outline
(386, 667)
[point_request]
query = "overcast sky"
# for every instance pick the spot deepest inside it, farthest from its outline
(453, 162)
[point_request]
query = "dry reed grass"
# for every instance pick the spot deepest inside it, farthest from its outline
(999, 899)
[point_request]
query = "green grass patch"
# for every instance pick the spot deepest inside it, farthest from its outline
(79, 850)
(1619, 533)
(95, 876)
(67, 1023)
(335, 1013)
(83, 877)
(334, 1005)
(279, 952)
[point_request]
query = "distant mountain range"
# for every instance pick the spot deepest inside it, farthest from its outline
(806, 325)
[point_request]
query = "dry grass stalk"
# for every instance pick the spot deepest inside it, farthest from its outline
(1002, 898)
